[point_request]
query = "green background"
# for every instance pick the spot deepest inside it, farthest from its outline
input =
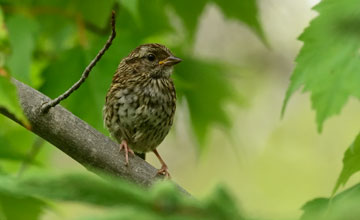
(229, 145)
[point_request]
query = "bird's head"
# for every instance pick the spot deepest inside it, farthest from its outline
(152, 60)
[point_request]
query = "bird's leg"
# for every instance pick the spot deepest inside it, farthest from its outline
(164, 168)
(127, 149)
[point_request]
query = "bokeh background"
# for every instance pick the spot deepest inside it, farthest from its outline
(227, 130)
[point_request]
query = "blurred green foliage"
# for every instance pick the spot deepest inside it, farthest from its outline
(8, 97)
(47, 44)
(162, 201)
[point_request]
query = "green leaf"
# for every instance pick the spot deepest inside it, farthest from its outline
(241, 10)
(345, 205)
(315, 209)
(222, 204)
(102, 10)
(9, 98)
(14, 150)
(207, 90)
(328, 64)
(162, 201)
(7, 154)
(245, 11)
(351, 163)
(55, 35)
(21, 36)
(189, 11)
(71, 187)
(19, 207)
(132, 6)
(154, 19)
(11, 199)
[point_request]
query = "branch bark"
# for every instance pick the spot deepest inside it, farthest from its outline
(79, 140)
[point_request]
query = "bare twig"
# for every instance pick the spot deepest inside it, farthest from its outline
(46, 106)
(80, 141)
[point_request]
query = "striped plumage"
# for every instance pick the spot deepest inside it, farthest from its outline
(141, 101)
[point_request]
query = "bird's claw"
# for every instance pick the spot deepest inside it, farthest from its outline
(127, 150)
(164, 172)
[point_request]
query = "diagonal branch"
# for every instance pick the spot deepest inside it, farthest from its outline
(46, 106)
(79, 140)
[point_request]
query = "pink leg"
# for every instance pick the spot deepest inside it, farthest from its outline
(164, 168)
(127, 149)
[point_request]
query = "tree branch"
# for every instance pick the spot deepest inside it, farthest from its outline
(79, 140)
(52, 103)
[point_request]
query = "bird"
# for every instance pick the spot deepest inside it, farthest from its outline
(141, 101)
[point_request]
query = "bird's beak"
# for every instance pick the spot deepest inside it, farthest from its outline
(171, 60)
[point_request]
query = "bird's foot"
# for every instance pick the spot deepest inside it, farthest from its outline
(164, 168)
(164, 171)
(127, 150)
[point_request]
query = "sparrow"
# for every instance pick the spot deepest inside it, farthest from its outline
(141, 101)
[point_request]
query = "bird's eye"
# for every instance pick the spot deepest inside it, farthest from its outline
(151, 57)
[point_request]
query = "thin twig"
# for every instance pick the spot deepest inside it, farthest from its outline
(46, 106)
